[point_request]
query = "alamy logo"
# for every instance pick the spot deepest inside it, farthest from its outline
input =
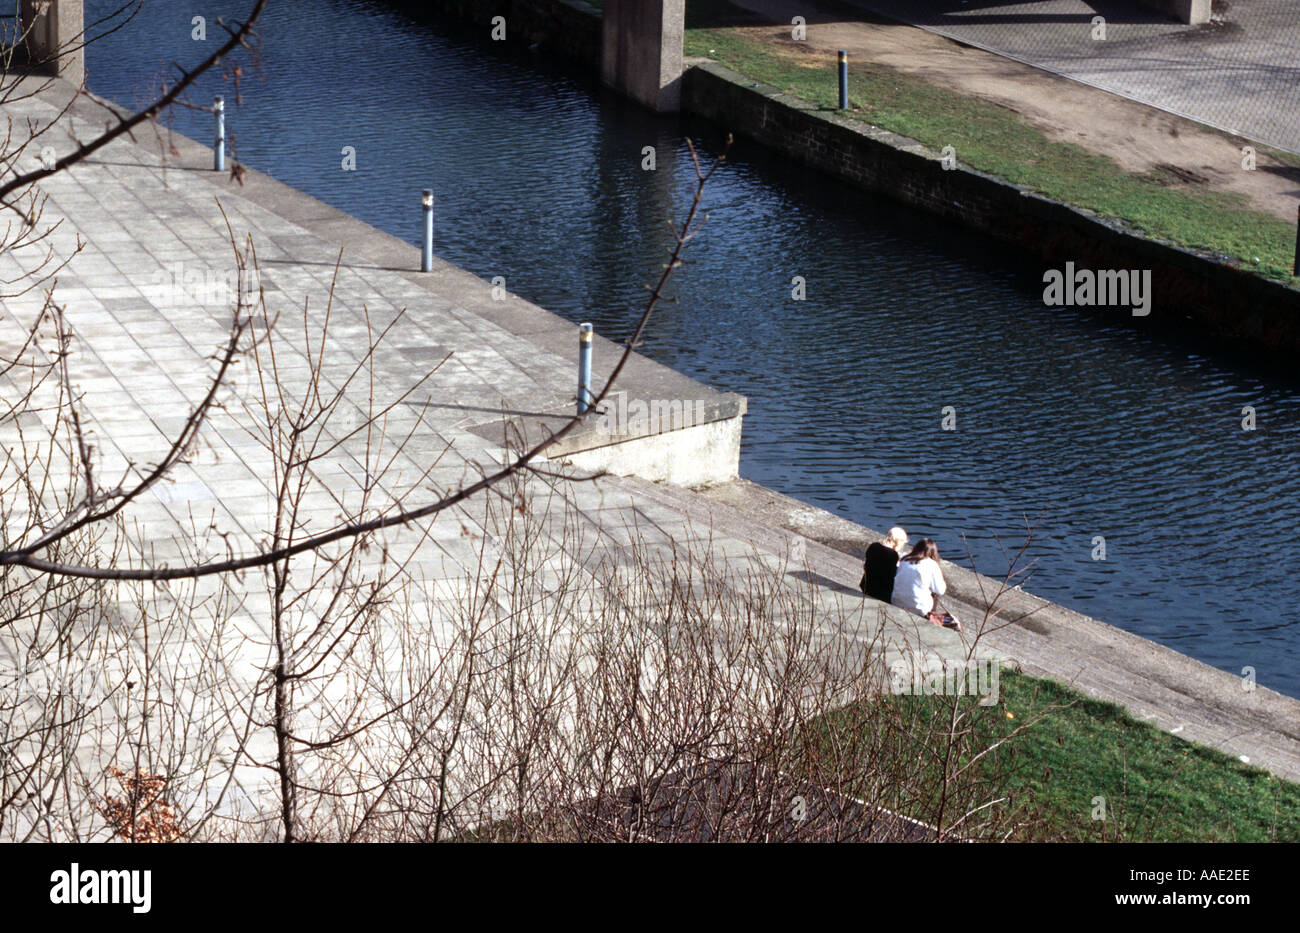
(182, 285)
(621, 417)
(919, 674)
(105, 886)
(77, 678)
(1102, 288)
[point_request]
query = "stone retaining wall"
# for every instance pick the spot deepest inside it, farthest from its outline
(1195, 293)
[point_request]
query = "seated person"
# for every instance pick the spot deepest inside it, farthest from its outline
(880, 564)
(919, 580)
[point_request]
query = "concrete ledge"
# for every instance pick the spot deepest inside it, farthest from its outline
(1155, 683)
(695, 456)
(690, 441)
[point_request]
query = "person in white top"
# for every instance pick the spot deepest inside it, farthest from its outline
(919, 580)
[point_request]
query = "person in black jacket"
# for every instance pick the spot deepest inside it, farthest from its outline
(881, 563)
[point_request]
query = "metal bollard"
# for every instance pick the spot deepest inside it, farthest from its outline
(426, 258)
(584, 368)
(219, 148)
(844, 79)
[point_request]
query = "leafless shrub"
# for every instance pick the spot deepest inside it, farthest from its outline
(320, 679)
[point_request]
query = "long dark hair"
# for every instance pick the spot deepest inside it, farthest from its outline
(923, 549)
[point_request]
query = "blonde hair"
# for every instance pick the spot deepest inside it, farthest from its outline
(896, 536)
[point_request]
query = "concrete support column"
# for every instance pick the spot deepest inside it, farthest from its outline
(53, 31)
(1192, 12)
(641, 51)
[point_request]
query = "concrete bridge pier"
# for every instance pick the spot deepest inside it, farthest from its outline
(641, 51)
(54, 33)
(1192, 12)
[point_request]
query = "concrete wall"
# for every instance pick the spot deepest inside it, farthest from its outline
(695, 456)
(1192, 12)
(636, 45)
(641, 51)
(1194, 293)
(53, 31)
(659, 425)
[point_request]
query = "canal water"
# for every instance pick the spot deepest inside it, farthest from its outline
(1067, 421)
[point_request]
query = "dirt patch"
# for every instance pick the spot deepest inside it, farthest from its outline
(1140, 139)
(1183, 175)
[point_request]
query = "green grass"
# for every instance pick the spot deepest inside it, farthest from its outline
(1158, 787)
(994, 139)
(1069, 751)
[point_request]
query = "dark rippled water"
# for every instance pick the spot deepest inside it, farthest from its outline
(1084, 427)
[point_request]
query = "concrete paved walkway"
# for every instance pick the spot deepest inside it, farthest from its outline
(148, 299)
